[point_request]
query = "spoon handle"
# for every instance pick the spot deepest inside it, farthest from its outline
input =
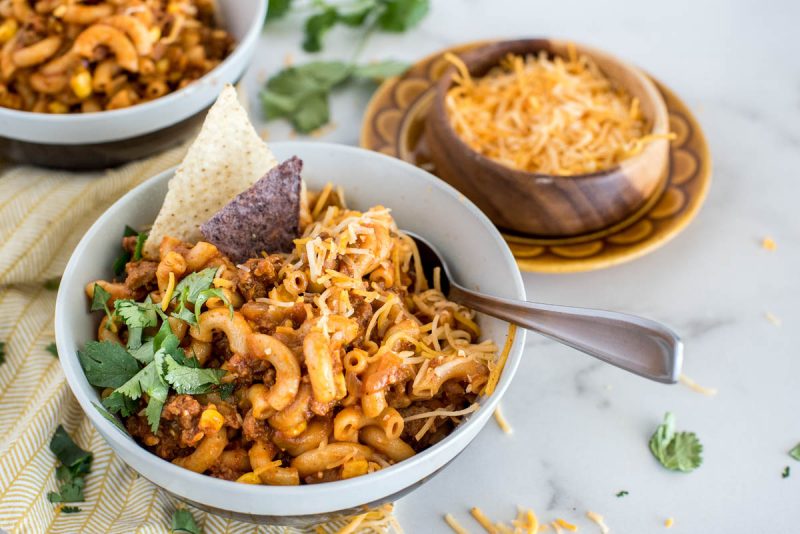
(639, 345)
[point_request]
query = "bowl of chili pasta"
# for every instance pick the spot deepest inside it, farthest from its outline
(95, 85)
(325, 383)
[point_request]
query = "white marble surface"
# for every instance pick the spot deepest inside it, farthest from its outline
(581, 428)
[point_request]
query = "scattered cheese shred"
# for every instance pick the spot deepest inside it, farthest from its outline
(452, 523)
(769, 244)
(484, 521)
(569, 526)
(501, 421)
(772, 318)
(559, 116)
(597, 518)
(694, 386)
(669, 522)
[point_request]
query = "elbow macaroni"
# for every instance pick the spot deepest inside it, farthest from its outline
(63, 56)
(351, 363)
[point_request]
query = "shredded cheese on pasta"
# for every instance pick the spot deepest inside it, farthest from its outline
(559, 116)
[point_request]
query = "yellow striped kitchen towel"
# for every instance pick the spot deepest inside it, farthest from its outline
(43, 215)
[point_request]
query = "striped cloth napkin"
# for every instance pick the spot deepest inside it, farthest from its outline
(43, 215)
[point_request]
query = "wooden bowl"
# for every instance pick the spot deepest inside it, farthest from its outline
(543, 204)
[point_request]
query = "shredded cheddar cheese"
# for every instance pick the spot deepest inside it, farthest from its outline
(559, 116)
(597, 518)
(501, 421)
(564, 524)
(694, 386)
(484, 521)
(669, 522)
(769, 244)
(168, 293)
(377, 520)
(494, 376)
(452, 523)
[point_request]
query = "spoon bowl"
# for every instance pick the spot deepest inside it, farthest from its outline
(639, 345)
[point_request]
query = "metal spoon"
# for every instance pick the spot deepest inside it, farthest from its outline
(641, 346)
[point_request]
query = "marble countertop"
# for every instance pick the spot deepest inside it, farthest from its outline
(580, 427)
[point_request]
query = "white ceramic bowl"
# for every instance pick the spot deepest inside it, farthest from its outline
(479, 258)
(106, 138)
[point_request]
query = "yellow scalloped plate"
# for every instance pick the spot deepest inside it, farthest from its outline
(394, 123)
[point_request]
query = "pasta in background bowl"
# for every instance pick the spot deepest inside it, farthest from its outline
(420, 203)
(107, 138)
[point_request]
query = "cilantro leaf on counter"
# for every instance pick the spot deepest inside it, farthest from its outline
(75, 463)
(107, 364)
(52, 349)
(183, 523)
(401, 15)
(70, 510)
(190, 380)
(786, 472)
(2, 352)
(795, 452)
(278, 9)
(622, 493)
(318, 25)
(300, 94)
(677, 451)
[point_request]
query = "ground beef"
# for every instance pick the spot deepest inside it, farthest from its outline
(253, 429)
(141, 274)
(166, 444)
(258, 276)
(362, 313)
(245, 369)
(184, 411)
(265, 320)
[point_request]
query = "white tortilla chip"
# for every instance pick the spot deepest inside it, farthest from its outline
(226, 158)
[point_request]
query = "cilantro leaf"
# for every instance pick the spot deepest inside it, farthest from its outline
(137, 316)
(51, 284)
(52, 349)
(70, 510)
(147, 378)
(153, 412)
(100, 301)
(380, 71)
(278, 9)
(2, 352)
(195, 283)
(358, 16)
(190, 380)
(678, 451)
(786, 472)
(144, 354)
(316, 26)
(121, 404)
(207, 294)
(401, 15)
(75, 462)
(622, 493)
(137, 251)
(68, 452)
(106, 364)
(795, 452)
(113, 420)
(125, 256)
(226, 390)
(183, 523)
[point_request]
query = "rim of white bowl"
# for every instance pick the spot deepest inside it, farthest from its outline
(304, 499)
(141, 119)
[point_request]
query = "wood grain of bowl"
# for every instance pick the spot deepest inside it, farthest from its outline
(543, 204)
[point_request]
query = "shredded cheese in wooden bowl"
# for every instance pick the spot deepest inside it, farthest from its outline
(547, 115)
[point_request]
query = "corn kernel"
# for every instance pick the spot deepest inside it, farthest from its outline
(162, 65)
(7, 30)
(354, 468)
(58, 107)
(211, 420)
(81, 84)
(249, 478)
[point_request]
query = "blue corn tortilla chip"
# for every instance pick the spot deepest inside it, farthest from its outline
(265, 218)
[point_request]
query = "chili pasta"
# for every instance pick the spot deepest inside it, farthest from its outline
(66, 56)
(340, 358)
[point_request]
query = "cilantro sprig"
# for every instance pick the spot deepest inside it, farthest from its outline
(795, 452)
(677, 451)
(369, 15)
(301, 94)
(100, 298)
(75, 464)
